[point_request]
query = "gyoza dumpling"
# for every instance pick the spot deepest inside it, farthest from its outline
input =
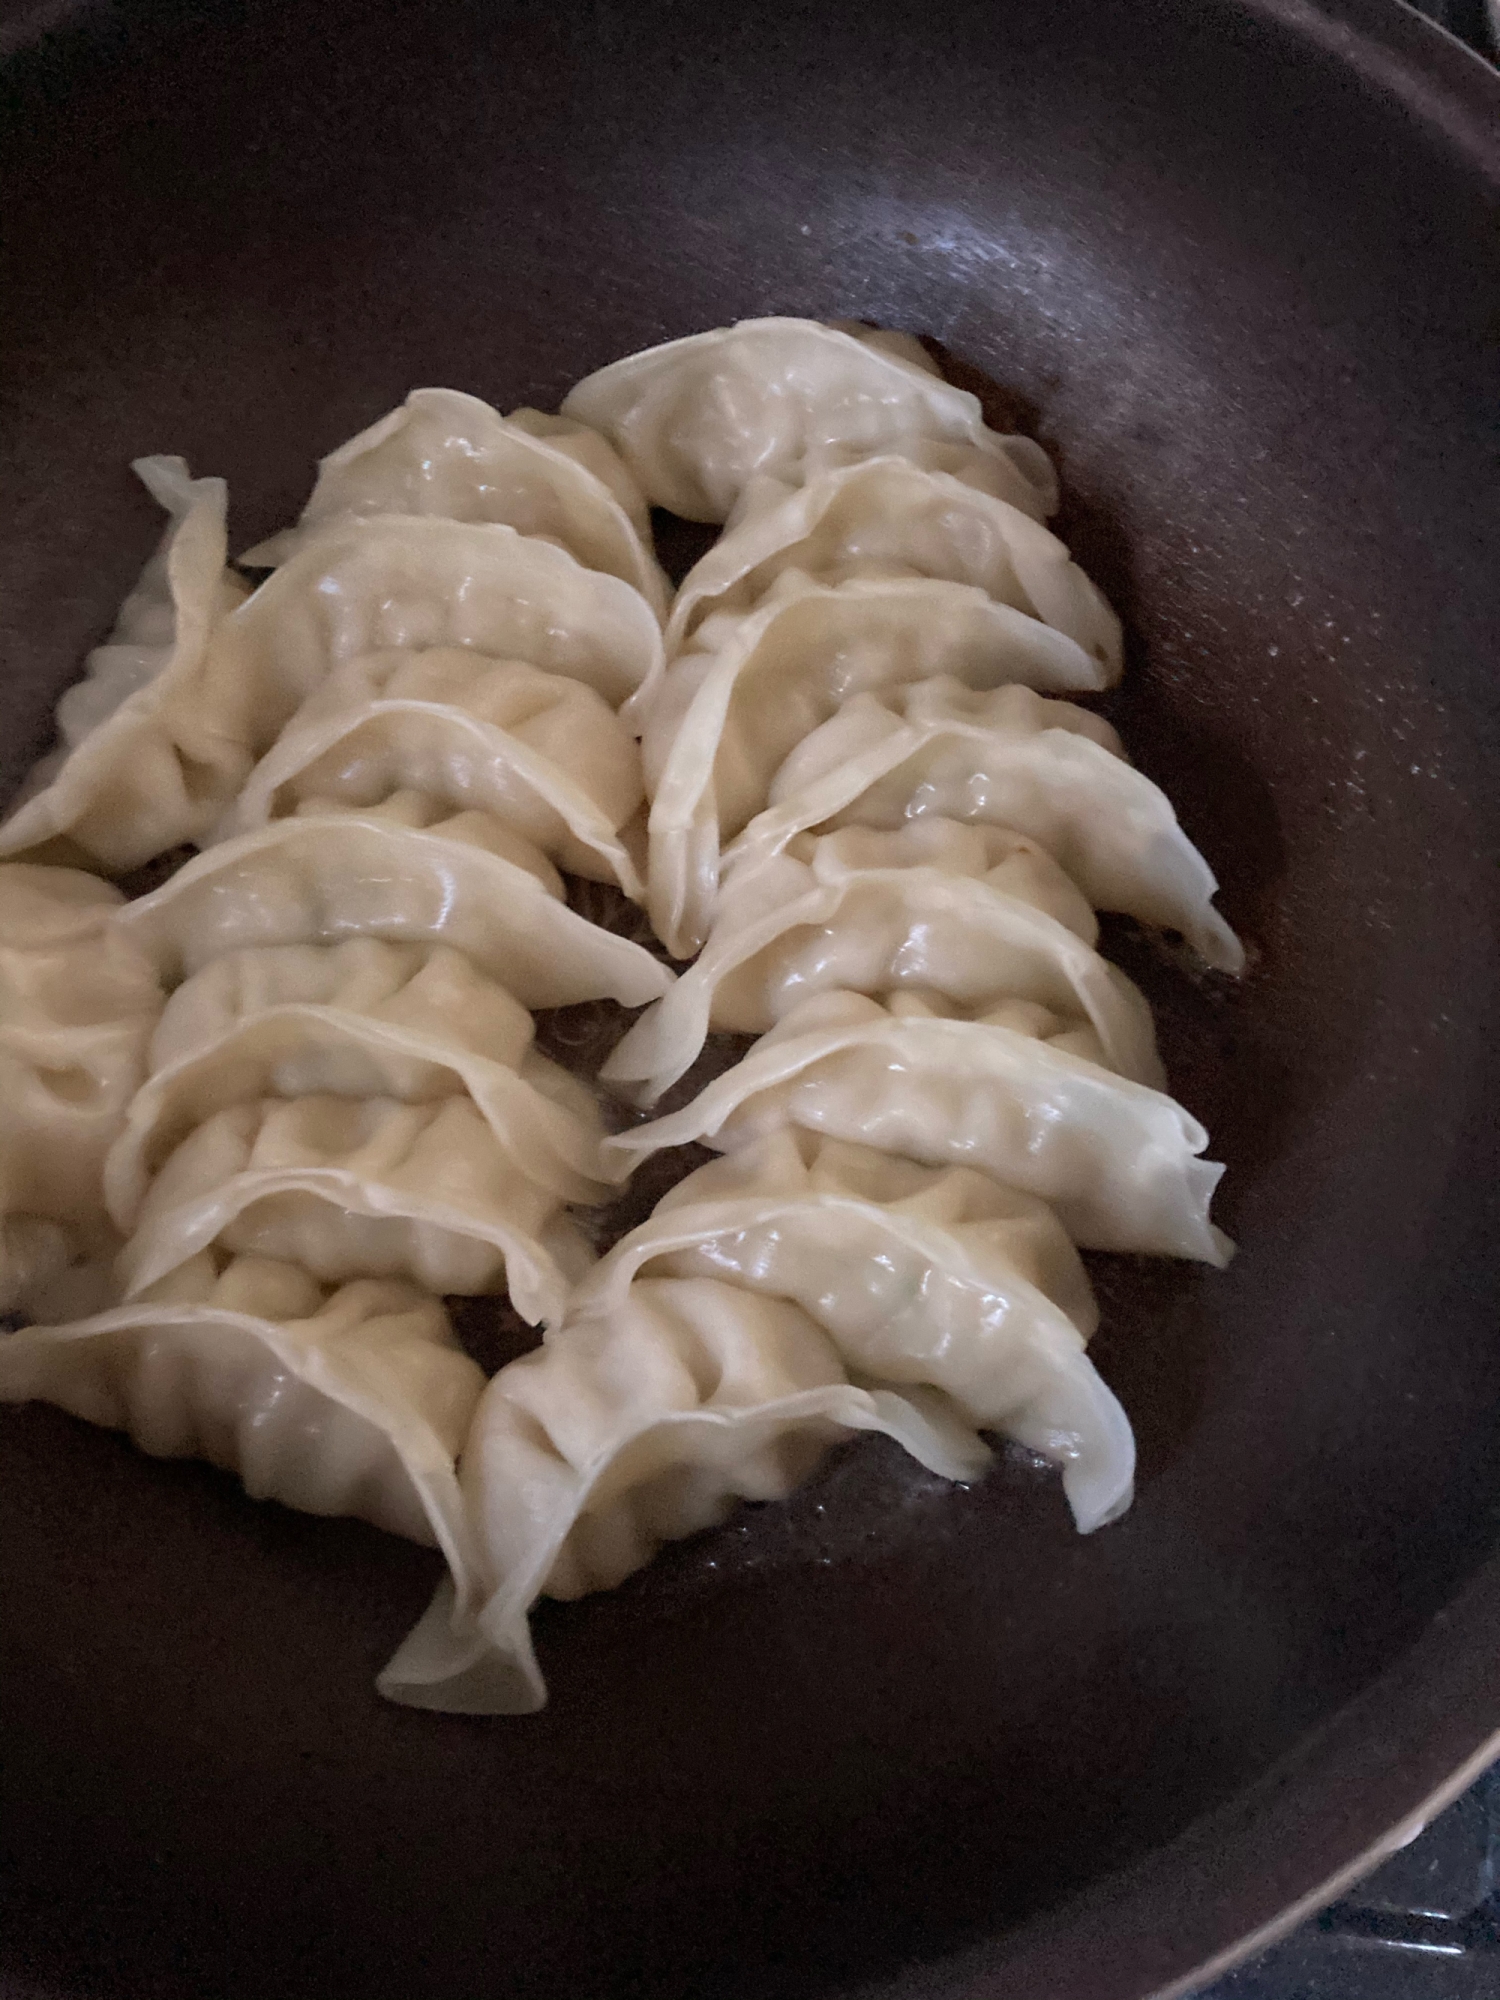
(447, 453)
(753, 684)
(921, 1276)
(422, 1042)
(408, 583)
(886, 517)
(429, 989)
(63, 962)
(77, 1006)
(352, 1187)
(1011, 1093)
(1004, 757)
(629, 1429)
(976, 914)
(320, 880)
(698, 420)
(49, 1271)
(545, 754)
(351, 1404)
(143, 764)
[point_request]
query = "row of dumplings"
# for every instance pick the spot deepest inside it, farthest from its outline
(274, 1110)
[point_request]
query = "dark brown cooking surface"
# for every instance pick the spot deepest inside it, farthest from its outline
(1237, 264)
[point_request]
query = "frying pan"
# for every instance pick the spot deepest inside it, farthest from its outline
(1235, 262)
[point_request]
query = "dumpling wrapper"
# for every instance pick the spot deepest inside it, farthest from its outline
(63, 961)
(1119, 1163)
(938, 1277)
(544, 754)
(50, 1271)
(701, 420)
(77, 1007)
(411, 583)
(542, 1118)
(887, 517)
(430, 990)
(352, 1187)
(358, 1019)
(977, 914)
(1002, 757)
(144, 764)
(753, 684)
(626, 1430)
(324, 879)
(355, 1404)
(445, 453)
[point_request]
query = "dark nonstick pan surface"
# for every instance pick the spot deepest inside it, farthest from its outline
(1236, 262)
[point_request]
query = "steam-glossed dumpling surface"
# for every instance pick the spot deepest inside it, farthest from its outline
(631, 1427)
(1002, 757)
(546, 755)
(1011, 1092)
(542, 1118)
(348, 1187)
(921, 1276)
(409, 583)
(77, 1007)
(143, 765)
(887, 517)
(700, 421)
(976, 914)
(753, 684)
(353, 1403)
(466, 882)
(449, 454)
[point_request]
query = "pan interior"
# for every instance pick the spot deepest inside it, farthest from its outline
(1236, 289)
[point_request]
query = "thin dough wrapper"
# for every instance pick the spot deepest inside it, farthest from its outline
(63, 961)
(445, 453)
(360, 1187)
(353, 1404)
(144, 764)
(921, 1276)
(49, 1271)
(1004, 757)
(429, 989)
(1008, 1095)
(544, 754)
(976, 914)
(327, 879)
(411, 583)
(887, 517)
(434, 1021)
(552, 1133)
(701, 420)
(77, 1006)
(754, 684)
(627, 1430)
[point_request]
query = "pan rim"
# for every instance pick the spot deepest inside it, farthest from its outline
(1295, 1809)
